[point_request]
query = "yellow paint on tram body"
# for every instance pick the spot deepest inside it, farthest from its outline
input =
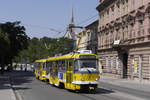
(71, 80)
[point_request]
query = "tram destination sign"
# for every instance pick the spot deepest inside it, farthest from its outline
(87, 57)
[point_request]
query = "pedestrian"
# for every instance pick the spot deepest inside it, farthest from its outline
(15, 67)
(21, 67)
(25, 69)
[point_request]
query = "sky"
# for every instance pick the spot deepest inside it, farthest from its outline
(40, 16)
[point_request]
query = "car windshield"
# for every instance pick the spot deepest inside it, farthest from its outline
(88, 63)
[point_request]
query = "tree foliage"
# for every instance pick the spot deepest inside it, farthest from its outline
(13, 39)
(45, 47)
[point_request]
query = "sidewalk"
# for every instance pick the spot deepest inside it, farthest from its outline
(6, 91)
(127, 83)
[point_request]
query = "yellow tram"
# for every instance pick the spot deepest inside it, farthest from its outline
(74, 71)
(40, 69)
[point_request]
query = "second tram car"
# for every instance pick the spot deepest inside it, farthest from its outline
(40, 69)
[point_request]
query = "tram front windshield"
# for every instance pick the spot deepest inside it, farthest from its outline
(88, 63)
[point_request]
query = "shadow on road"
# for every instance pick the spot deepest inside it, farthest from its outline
(103, 91)
(97, 91)
(87, 94)
(20, 88)
(4, 82)
(18, 78)
(15, 78)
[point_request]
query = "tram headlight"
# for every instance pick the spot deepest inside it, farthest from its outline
(82, 79)
(97, 79)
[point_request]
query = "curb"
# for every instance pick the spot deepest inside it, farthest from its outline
(10, 92)
(123, 84)
(15, 93)
(13, 97)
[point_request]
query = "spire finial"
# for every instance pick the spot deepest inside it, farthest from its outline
(72, 16)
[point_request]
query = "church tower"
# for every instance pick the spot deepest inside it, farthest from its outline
(71, 28)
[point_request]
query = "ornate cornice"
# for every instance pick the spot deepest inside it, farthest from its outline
(104, 4)
(128, 18)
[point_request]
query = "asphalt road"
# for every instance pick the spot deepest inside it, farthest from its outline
(141, 94)
(29, 88)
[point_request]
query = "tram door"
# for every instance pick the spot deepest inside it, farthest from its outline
(69, 73)
(40, 69)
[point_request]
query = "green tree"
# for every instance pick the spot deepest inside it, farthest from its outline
(13, 40)
(46, 47)
(4, 48)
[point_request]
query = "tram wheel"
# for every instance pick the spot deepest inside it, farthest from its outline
(61, 85)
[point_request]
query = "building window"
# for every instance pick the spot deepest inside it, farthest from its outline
(140, 32)
(111, 62)
(123, 7)
(127, 32)
(112, 9)
(133, 4)
(107, 64)
(107, 15)
(118, 8)
(123, 35)
(117, 64)
(126, 6)
(132, 31)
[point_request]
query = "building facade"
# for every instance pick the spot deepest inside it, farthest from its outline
(87, 39)
(81, 41)
(124, 38)
(92, 31)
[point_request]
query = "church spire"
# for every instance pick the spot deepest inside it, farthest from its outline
(72, 17)
(71, 27)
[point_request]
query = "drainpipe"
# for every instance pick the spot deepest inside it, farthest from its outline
(149, 67)
(140, 68)
(121, 64)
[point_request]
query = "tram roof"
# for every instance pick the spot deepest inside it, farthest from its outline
(41, 60)
(68, 56)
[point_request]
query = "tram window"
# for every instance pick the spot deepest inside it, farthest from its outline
(48, 66)
(70, 65)
(41, 65)
(51, 65)
(57, 65)
(44, 66)
(76, 65)
(62, 65)
(36, 65)
(88, 63)
(53, 69)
